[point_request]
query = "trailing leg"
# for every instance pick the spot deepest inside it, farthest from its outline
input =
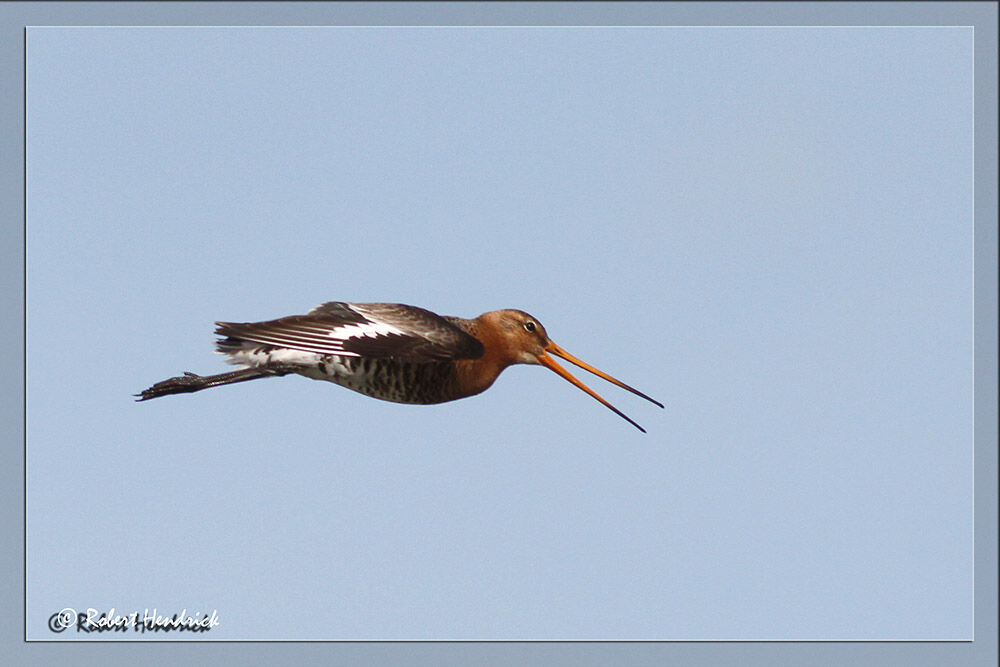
(189, 382)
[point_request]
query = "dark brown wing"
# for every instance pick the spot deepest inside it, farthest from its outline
(371, 330)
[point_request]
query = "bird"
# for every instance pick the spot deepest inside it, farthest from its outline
(389, 351)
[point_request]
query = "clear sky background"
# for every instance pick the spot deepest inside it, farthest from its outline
(768, 230)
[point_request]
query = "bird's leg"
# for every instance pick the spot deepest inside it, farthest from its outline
(189, 382)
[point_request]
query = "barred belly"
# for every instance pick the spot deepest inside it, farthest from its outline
(388, 379)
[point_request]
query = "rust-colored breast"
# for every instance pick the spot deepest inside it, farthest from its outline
(473, 376)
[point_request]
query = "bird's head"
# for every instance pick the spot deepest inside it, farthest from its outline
(521, 339)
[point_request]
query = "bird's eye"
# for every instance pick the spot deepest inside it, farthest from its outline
(529, 326)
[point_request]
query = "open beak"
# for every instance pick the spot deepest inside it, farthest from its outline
(551, 363)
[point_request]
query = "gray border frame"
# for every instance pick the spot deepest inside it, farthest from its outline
(14, 16)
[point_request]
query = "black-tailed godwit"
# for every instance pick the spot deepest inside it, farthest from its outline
(388, 351)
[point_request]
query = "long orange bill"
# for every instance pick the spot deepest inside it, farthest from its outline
(551, 363)
(559, 352)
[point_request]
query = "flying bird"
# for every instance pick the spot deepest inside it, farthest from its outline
(388, 351)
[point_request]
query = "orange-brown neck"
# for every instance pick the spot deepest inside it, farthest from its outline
(476, 375)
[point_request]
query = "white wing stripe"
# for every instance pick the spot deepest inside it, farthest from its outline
(318, 338)
(282, 339)
(370, 330)
(325, 333)
(277, 341)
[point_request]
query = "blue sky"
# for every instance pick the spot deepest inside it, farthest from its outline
(768, 230)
